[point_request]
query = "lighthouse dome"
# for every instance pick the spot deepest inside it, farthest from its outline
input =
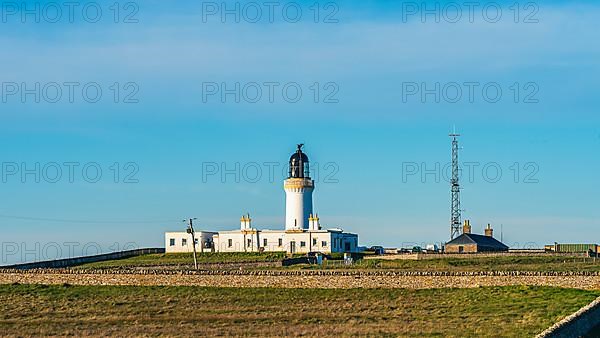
(299, 164)
(298, 157)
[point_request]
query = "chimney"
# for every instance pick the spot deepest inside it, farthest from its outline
(245, 222)
(489, 232)
(313, 223)
(467, 227)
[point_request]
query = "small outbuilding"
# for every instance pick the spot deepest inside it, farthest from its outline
(591, 249)
(472, 243)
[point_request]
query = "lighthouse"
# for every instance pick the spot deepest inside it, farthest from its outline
(298, 192)
(303, 232)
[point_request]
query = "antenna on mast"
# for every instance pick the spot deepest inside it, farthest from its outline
(455, 217)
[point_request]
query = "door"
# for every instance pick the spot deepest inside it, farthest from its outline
(293, 247)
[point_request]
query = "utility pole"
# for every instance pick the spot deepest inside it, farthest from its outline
(190, 230)
(455, 190)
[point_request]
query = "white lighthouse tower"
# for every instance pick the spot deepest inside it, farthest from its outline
(298, 192)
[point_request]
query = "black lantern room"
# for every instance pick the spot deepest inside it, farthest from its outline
(299, 164)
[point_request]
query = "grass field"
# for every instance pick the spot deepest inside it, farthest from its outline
(500, 263)
(27, 310)
(175, 259)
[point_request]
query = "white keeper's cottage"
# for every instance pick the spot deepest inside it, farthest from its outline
(302, 233)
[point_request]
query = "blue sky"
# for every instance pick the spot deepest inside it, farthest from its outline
(367, 61)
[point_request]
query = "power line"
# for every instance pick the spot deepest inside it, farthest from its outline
(191, 231)
(27, 218)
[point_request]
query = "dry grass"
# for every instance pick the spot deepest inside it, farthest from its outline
(33, 310)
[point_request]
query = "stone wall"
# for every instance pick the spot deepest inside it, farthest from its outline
(300, 279)
(466, 248)
(61, 263)
(578, 324)
(201, 266)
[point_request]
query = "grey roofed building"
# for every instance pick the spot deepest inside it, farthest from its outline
(469, 243)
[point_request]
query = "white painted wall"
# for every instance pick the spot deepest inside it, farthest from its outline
(237, 241)
(182, 241)
(296, 242)
(298, 202)
(344, 242)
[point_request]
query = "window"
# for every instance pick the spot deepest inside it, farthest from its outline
(172, 241)
(196, 241)
(265, 242)
(280, 242)
(249, 242)
(183, 242)
(230, 242)
(302, 244)
(314, 241)
(324, 243)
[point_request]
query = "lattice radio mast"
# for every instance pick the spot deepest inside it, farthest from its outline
(455, 190)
